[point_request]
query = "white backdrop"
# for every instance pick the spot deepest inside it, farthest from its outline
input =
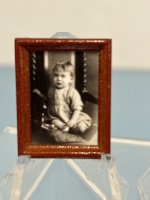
(126, 22)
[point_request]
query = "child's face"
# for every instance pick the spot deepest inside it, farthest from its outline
(61, 79)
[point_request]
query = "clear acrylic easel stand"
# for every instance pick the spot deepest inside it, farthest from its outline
(57, 179)
(73, 178)
(144, 186)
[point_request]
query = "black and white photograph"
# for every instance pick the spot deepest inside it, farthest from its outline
(64, 97)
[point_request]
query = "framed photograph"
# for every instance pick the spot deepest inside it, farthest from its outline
(63, 97)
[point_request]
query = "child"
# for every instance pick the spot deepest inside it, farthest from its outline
(65, 105)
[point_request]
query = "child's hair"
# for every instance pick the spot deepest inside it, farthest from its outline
(65, 66)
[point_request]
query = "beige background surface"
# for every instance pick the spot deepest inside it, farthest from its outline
(126, 22)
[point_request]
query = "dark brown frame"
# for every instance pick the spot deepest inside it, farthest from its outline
(23, 47)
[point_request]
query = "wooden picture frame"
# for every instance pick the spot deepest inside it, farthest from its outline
(92, 63)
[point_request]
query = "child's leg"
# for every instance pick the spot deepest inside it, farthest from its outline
(58, 124)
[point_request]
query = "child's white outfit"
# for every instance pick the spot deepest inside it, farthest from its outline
(66, 100)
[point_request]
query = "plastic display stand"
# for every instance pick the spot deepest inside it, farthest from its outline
(60, 178)
(64, 179)
(144, 186)
(57, 178)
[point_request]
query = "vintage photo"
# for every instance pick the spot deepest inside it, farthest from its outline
(63, 97)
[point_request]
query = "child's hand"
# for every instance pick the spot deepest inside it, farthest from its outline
(71, 123)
